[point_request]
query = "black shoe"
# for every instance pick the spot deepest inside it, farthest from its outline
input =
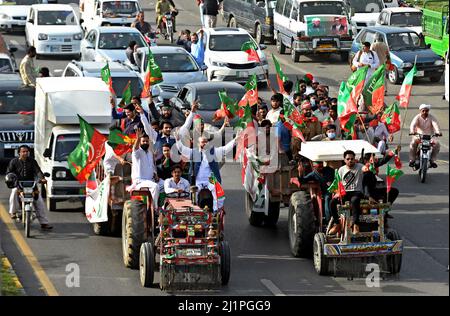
(433, 164)
(412, 163)
(46, 227)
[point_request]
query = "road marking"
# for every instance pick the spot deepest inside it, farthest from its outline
(28, 253)
(57, 70)
(272, 287)
(267, 257)
(425, 248)
(16, 44)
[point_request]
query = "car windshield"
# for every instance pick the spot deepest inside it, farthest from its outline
(404, 41)
(113, 9)
(20, 2)
(175, 62)
(210, 101)
(119, 40)
(56, 18)
(5, 65)
(321, 7)
(16, 101)
(65, 144)
(120, 83)
(406, 19)
(366, 6)
(228, 42)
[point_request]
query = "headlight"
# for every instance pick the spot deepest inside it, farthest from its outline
(60, 174)
(42, 37)
(27, 190)
(4, 16)
(406, 65)
(77, 37)
(439, 62)
(218, 64)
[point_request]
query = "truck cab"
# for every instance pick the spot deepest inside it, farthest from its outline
(57, 130)
(312, 27)
(108, 13)
(435, 26)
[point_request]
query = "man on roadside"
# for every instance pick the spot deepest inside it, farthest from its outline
(211, 9)
(366, 57)
(27, 69)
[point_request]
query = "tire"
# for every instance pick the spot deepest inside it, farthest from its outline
(273, 214)
(147, 264)
(28, 223)
(436, 78)
(344, 57)
(101, 229)
(423, 171)
(170, 34)
(254, 218)
(133, 232)
(259, 36)
(281, 48)
(301, 225)
(295, 56)
(394, 262)
(51, 204)
(225, 262)
(232, 22)
(321, 262)
(393, 76)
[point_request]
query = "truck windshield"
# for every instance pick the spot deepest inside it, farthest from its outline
(404, 41)
(120, 83)
(322, 7)
(15, 102)
(112, 9)
(366, 6)
(120, 40)
(406, 19)
(228, 43)
(56, 18)
(65, 144)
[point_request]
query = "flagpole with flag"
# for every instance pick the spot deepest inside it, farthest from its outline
(402, 102)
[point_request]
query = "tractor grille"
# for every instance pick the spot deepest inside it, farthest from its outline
(17, 137)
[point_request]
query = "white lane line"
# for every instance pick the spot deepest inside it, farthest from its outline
(267, 257)
(57, 70)
(425, 248)
(272, 287)
(16, 44)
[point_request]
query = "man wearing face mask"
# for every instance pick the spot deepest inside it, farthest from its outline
(313, 101)
(322, 113)
(312, 125)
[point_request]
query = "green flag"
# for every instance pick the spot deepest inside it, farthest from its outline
(281, 77)
(126, 95)
(373, 91)
(106, 77)
(405, 90)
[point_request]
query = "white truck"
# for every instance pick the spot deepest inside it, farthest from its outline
(108, 13)
(57, 131)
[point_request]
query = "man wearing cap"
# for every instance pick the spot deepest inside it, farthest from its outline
(426, 124)
(277, 103)
(312, 125)
(166, 112)
(309, 78)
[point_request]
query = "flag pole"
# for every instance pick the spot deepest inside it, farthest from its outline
(406, 113)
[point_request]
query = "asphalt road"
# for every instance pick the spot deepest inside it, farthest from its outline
(261, 259)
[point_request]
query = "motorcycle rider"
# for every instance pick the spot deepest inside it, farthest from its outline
(162, 7)
(25, 168)
(426, 124)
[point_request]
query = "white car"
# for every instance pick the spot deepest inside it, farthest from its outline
(13, 13)
(402, 17)
(53, 29)
(108, 43)
(226, 61)
(364, 13)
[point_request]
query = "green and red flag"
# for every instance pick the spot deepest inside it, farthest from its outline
(373, 92)
(88, 153)
(220, 193)
(337, 187)
(106, 77)
(391, 117)
(405, 91)
(120, 142)
(248, 135)
(291, 112)
(152, 77)
(281, 77)
(126, 95)
(91, 183)
(251, 49)
(251, 96)
(228, 107)
(392, 174)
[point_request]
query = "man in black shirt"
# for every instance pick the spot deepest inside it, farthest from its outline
(141, 25)
(27, 169)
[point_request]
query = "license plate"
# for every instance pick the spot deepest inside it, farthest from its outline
(325, 46)
(242, 74)
(66, 40)
(12, 146)
(420, 73)
(54, 48)
(193, 252)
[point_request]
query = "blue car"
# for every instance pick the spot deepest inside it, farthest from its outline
(404, 45)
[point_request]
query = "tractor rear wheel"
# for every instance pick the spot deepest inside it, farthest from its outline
(133, 232)
(273, 214)
(225, 262)
(394, 262)
(301, 224)
(147, 264)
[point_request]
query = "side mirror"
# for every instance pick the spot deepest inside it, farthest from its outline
(352, 12)
(46, 174)
(81, 21)
(47, 153)
(31, 21)
(428, 45)
(204, 68)
(262, 46)
(12, 49)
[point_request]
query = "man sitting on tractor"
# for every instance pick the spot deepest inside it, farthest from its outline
(352, 179)
(176, 184)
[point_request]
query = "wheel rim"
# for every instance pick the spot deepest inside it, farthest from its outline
(258, 34)
(317, 257)
(124, 238)
(142, 266)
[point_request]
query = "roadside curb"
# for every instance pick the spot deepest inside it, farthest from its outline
(12, 286)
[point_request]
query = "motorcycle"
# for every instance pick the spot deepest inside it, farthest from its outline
(423, 154)
(28, 192)
(167, 27)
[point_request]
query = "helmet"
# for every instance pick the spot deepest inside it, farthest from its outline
(11, 180)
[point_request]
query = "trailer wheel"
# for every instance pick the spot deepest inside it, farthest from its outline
(101, 229)
(301, 224)
(320, 261)
(394, 262)
(133, 232)
(273, 214)
(147, 264)
(255, 218)
(225, 262)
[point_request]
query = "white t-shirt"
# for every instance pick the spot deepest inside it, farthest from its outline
(170, 186)
(143, 167)
(109, 161)
(273, 115)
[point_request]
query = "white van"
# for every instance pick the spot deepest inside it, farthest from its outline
(312, 27)
(57, 131)
(364, 13)
(108, 13)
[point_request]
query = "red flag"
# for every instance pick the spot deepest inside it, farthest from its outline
(405, 90)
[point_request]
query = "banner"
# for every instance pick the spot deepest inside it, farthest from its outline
(97, 202)
(326, 25)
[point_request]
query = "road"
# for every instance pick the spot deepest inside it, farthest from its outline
(261, 259)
